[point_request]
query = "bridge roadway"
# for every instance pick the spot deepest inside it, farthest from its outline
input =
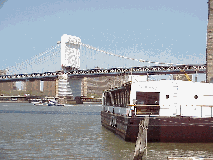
(151, 70)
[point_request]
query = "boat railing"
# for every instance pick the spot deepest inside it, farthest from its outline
(146, 109)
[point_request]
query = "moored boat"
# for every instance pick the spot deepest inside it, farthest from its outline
(51, 103)
(35, 101)
(54, 103)
(39, 104)
(179, 111)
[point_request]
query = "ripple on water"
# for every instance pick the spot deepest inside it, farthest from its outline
(72, 132)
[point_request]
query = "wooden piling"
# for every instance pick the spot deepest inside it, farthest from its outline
(141, 142)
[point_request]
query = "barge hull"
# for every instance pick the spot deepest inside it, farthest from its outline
(161, 129)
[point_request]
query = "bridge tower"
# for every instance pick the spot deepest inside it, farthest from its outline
(70, 52)
(209, 48)
(69, 88)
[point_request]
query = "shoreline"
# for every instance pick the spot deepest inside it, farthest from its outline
(92, 102)
(28, 102)
(14, 102)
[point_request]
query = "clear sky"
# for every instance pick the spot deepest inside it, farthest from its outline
(155, 30)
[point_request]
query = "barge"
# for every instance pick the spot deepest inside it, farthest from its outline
(179, 111)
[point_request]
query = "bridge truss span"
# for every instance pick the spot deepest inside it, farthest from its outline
(150, 70)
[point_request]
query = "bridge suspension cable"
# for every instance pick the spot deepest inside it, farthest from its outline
(134, 59)
(55, 52)
(39, 59)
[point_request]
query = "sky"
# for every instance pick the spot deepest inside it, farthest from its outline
(172, 31)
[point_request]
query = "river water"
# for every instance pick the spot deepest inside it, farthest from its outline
(73, 132)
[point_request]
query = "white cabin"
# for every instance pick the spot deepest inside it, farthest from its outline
(175, 97)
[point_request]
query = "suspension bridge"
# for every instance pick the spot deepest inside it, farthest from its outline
(70, 63)
(68, 77)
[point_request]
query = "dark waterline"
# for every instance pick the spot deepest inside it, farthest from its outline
(73, 132)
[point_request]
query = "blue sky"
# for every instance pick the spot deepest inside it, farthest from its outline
(155, 30)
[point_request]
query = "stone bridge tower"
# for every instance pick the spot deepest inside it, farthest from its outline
(70, 52)
(66, 87)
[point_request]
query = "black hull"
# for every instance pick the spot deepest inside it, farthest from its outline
(161, 129)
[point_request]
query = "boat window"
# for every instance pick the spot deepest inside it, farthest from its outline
(147, 103)
(147, 98)
(196, 97)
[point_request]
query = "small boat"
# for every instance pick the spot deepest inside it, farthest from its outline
(54, 103)
(39, 104)
(51, 103)
(35, 101)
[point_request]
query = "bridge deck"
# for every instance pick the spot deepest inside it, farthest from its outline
(152, 70)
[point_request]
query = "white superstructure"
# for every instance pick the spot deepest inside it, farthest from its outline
(176, 97)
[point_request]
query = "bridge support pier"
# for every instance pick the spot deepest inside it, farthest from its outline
(75, 85)
(66, 89)
(49, 88)
(33, 87)
(7, 87)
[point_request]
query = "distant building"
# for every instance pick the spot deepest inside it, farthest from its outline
(182, 77)
(3, 72)
(94, 86)
(7, 86)
(23, 86)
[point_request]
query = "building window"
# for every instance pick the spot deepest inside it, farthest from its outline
(167, 96)
(195, 96)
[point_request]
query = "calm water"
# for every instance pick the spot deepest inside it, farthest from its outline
(73, 132)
